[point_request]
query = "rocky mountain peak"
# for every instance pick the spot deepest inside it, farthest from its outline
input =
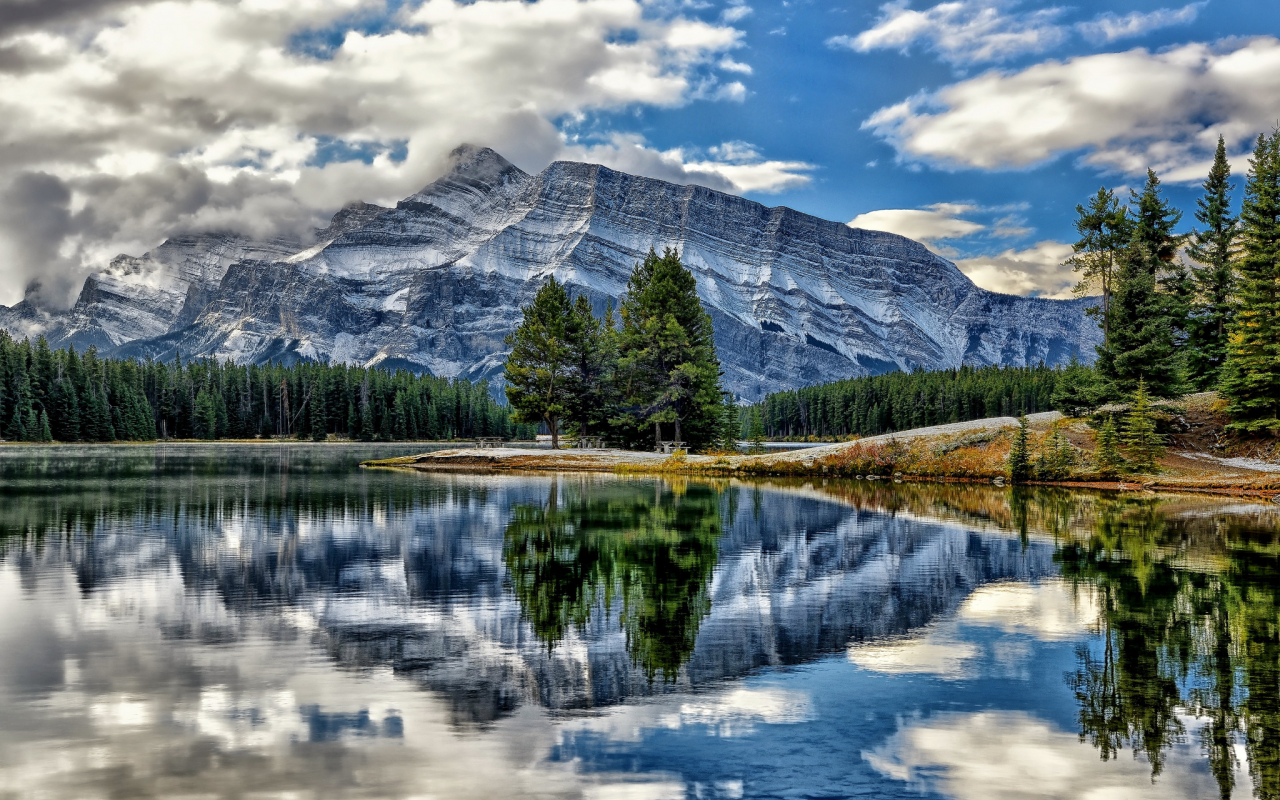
(436, 284)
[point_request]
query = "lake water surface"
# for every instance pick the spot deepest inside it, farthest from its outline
(273, 622)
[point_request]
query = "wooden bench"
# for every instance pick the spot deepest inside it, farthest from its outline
(488, 442)
(667, 448)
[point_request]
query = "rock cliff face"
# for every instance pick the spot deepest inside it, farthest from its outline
(437, 283)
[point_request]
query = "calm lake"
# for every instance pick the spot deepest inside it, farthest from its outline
(273, 622)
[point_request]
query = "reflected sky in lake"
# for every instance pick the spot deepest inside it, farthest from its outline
(270, 621)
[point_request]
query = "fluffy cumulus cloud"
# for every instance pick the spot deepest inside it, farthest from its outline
(1124, 112)
(1109, 27)
(964, 32)
(928, 225)
(941, 224)
(123, 122)
(1038, 270)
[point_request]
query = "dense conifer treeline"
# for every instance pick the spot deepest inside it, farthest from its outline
(899, 401)
(61, 395)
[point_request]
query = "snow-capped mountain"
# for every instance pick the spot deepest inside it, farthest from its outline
(437, 283)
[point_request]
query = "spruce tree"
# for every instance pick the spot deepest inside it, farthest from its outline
(1103, 226)
(1142, 443)
(1141, 346)
(1213, 247)
(1075, 389)
(1020, 454)
(1251, 379)
(1107, 456)
(592, 358)
(537, 370)
(756, 431)
(319, 413)
(46, 432)
(66, 412)
(667, 366)
(206, 415)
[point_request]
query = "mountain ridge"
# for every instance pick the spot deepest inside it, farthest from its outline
(436, 283)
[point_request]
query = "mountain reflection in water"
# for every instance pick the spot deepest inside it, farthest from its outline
(193, 620)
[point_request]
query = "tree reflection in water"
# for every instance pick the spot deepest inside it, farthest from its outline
(1188, 625)
(587, 549)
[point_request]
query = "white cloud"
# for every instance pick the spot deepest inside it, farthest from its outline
(735, 12)
(1125, 111)
(928, 225)
(1037, 270)
(729, 65)
(732, 166)
(140, 133)
(1109, 27)
(1012, 755)
(963, 32)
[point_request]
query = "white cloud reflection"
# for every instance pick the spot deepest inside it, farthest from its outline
(1010, 755)
(1048, 611)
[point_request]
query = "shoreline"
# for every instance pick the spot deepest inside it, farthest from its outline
(973, 452)
(464, 462)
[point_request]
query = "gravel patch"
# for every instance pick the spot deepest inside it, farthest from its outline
(990, 424)
(1239, 463)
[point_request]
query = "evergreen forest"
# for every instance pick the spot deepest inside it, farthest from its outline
(61, 395)
(898, 401)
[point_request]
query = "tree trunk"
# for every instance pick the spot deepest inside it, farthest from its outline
(677, 429)
(553, 422)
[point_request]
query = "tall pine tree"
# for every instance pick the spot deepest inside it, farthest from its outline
(667, 366)
(1143, 320)
(1103, 227)
(592, 356)
(1213, 246)
(1251, 380)
(538, 384)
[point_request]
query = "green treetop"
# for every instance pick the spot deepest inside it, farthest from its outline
(1154, 219)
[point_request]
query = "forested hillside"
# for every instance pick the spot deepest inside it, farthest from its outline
(899, 401)
(61, 395)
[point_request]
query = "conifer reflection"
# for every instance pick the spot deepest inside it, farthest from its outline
(584, 551)
(1189, 624)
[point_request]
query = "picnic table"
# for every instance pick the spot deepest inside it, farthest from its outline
(488, 442)
(667, 448)
(590, 443)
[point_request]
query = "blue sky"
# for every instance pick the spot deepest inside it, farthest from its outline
(972, 125)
